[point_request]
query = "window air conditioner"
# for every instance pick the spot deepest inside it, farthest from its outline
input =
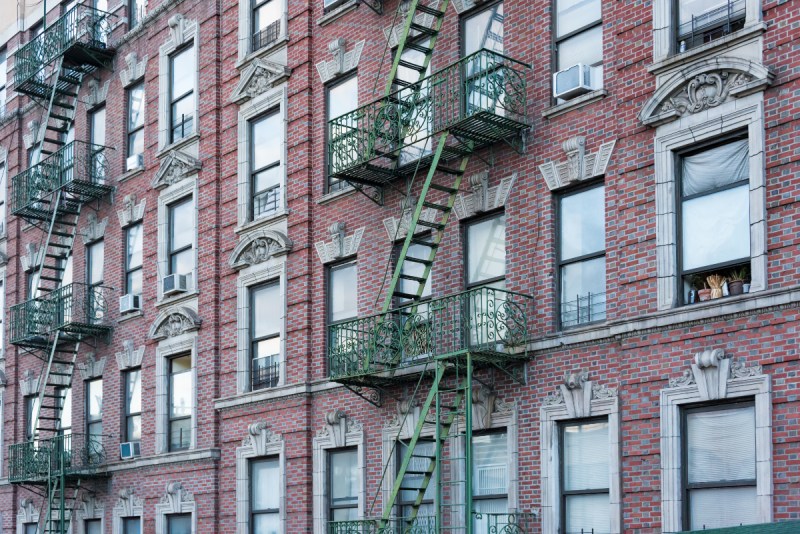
(175, 283)
(134, 162)
(129, 303)
(130, 449)
(573, 81)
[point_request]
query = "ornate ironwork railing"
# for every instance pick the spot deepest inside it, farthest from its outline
(66, 454)
(583, 309)
(482, 83)
(504, 523)
(31, 320)
(267, 36)
(483, 523)
(483, 320)
(77, 167)
(722, 20)
(80, 25)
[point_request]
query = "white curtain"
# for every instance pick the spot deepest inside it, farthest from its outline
(716, 167)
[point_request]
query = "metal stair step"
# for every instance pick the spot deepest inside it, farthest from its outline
(50, 279)
(419, 260)
(443, 188)
(400, 294)
(413, 278)
(435, 226)
(450, 171)
(61, 234)
(413, 45)
(430, 11)
(412, 66)
(435, 206)
(424, 30)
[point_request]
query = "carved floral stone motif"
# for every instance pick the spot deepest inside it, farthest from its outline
(130, 356)
(259, 77)
(174, 322)
(705, 91)
(134, 69)
(337, 426)
(128, 503)
(177, 166)
(483, 198)
(710, 372)
(577, 393)
(94, 229)
(131, 212)
(259, 247)
(579, 165)
(259, 436)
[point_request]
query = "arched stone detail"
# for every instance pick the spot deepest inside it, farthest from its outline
(174, 322)
(705, 85)
(259, 247)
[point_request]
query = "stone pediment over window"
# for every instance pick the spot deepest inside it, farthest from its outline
(175, 167)
(343, 60)
(483, 198)
(340, 245)
(579, 165)
(259, 247)
(705, 85)
(174, 322)
(134, 69)
(258, 78)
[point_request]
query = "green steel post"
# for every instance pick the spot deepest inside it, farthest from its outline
(468, 445)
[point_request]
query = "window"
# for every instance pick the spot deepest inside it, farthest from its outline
(266, 22)
(486, 252)
(342, 99)
(31, 528)
(265, 335)
(2, 315)
(719, 459)
(266, 147)
(181, 237)
(97, 138)
(419, 463)
(265, 496)
(412, 268)
(65, 423)
(137, 10)
(133, 260)
(343, 484)
(183, 73)
(94, 410)
(31, 414)
(342, 292)
(483, 30)
(3, 81)
(92, 526)
(135, 126)
(3, 186)
(701, 21)
(180, 402)
(490, 472)
(579, 37)
(131, 525)
(179, 524)
(417, 144)
(94, 263)
(584, 476)
(133, 405)
(581, 256)
(714, 214)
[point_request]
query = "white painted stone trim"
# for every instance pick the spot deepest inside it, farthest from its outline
(343, 60)
(165, 350)
(182, 32)
(88, 508)
(261, 442)
(176, 500)
(27, 513)
(753, 384)
(174, 193)
(2, 428)
(130, 357)
(743, 113)
(128, 505)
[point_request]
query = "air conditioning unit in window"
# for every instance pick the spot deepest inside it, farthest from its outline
(134, 162)
(130, 449)
(174, 284)
(572, 82)
(129, 303)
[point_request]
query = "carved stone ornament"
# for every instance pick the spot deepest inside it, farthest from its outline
(397, 227)
(711, 371)
(3, 255)
(577, 393)
(178, 26)
(175, 496)
(705, 85)
(128, 504)
(343, 61)
(134, 69)
(464, 5)
(340, 245)
(394, 33)
(90, 507)
(27, 512)
(31, 259)
(407, 413)
(174, 322)
(259, 436)
(258, 78)
(486, 406)
(3, 381)
(29, 383)
(259, 247)
(175, 167)
(92, 368)
(131, 212)
(337, 426)
(130, 356)
(29, 138)
(579, 165)
(483, 198)
(97, 92)
(94, 229)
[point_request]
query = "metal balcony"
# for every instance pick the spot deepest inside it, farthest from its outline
(77, 310)
(79, 169)
(491, 324)
(480, 100)
(67, 455)
(483, 523)
(81, 36)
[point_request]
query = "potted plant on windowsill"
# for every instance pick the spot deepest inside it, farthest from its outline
(715, 282)
(736, 281)
(703, 291)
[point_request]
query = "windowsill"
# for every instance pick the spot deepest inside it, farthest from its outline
(177, 145)
(128, 316)
(248, 397)
(707, 49)
(263, 221)
(164, 458)
(170, 301)
(127, 175)
(334, 14)
(279, 43)
(330, 197)
(575, 103)
(583, 326)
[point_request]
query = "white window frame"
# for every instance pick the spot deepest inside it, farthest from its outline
(742, 114)
(578, 399)
(182, 344)
(183, 33)
(271, 100)
(26, 514)
(713, 377)
(261, 442)
(89, 508)
(246, 29)
(176, 501)
(172, 194)
(128, 505)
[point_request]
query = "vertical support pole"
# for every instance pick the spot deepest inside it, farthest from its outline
(468, 445)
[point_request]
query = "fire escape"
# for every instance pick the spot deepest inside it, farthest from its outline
(62, 176)
(428, 125)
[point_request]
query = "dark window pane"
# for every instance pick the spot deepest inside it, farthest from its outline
(131, 525)
(179, 524)
(92, 526)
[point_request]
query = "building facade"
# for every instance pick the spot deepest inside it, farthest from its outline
(366, 265)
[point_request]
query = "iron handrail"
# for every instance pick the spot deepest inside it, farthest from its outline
(59, 455)
(489, 523)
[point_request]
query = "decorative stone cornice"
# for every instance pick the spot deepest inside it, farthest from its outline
(130, 356)
(31, 259)
(259, 436)
(394, 33)
(706, 84)
(29, 138)
(342, 62)
(97, 92)
(577, 393)
(29, 384)
(131, 212)
(134, 69)
(128, 504)
(90, 507)
(259, 247)
(579, 165)
(174, 168)
(174, 322)
(94, 229)
(180, 29)
(337, 426)
(92, 368)
(259, 77)
(339, 246)
(175, 497)
(464, 5)
(486, 406)
(483, 198)
(27, 512)
(711, 371)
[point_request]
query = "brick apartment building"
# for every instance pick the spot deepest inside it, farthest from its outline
(537, 275)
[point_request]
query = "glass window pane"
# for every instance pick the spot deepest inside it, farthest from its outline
(343, 98)
(576, 14)
(266, 348)
(723, 507)
(183, 116)
(31, 528)
(484, 30)
(134, 286)
(133, 391)
(490, 464)
(486, 249)
(134, 247)
(266, 523)
(716, 228)
(344, 292)
(411, 268)
(96, 256)
(180, 432)
(344, 514)
(136, 143)
(587, 512)
(583, 223)
(721, 445)
(134, 428)
(583, 289)
(92, 526)
(585, 47)
(94, 399)
(266, 140)
(182, 224)
(700, 8)
(264, 481)
(181, 387)
(714, 168)
(179, 524)
(586, 456)
(266, 14)
(344, 477)
(98, 128)
(182, 263)
(131, 525)
(136, 107)
(426, 448)
(183, 73)
(267, 310)
(66, 409)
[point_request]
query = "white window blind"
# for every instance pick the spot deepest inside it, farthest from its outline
(586, 456)
(721, 445)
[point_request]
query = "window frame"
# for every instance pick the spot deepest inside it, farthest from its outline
(252, 512)
(169, 517)
(128, 271)
(173, 99)
(561, 263)
(171, 251)
(557, 41)
(31, 432)
(253, 341)
(170, 400)
(330, 507)
(127, 414)
(253, 172)
(131, 132)
(339, 185)
(91, 252)
(494, 496)
(255, 5)
(470, 13)
(63, 392)
(400, 448)
(89, 420)
(675, 26)
(467, 224)
(97, 170)
(133, 19)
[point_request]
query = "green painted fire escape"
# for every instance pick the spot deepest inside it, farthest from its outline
(429, 125)
(62, 176)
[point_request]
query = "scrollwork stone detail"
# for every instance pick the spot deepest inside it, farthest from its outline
(258, 78)
(258, 248)
(705, 91)
(174, 322)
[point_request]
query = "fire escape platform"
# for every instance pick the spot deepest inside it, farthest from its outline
(71, 455)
